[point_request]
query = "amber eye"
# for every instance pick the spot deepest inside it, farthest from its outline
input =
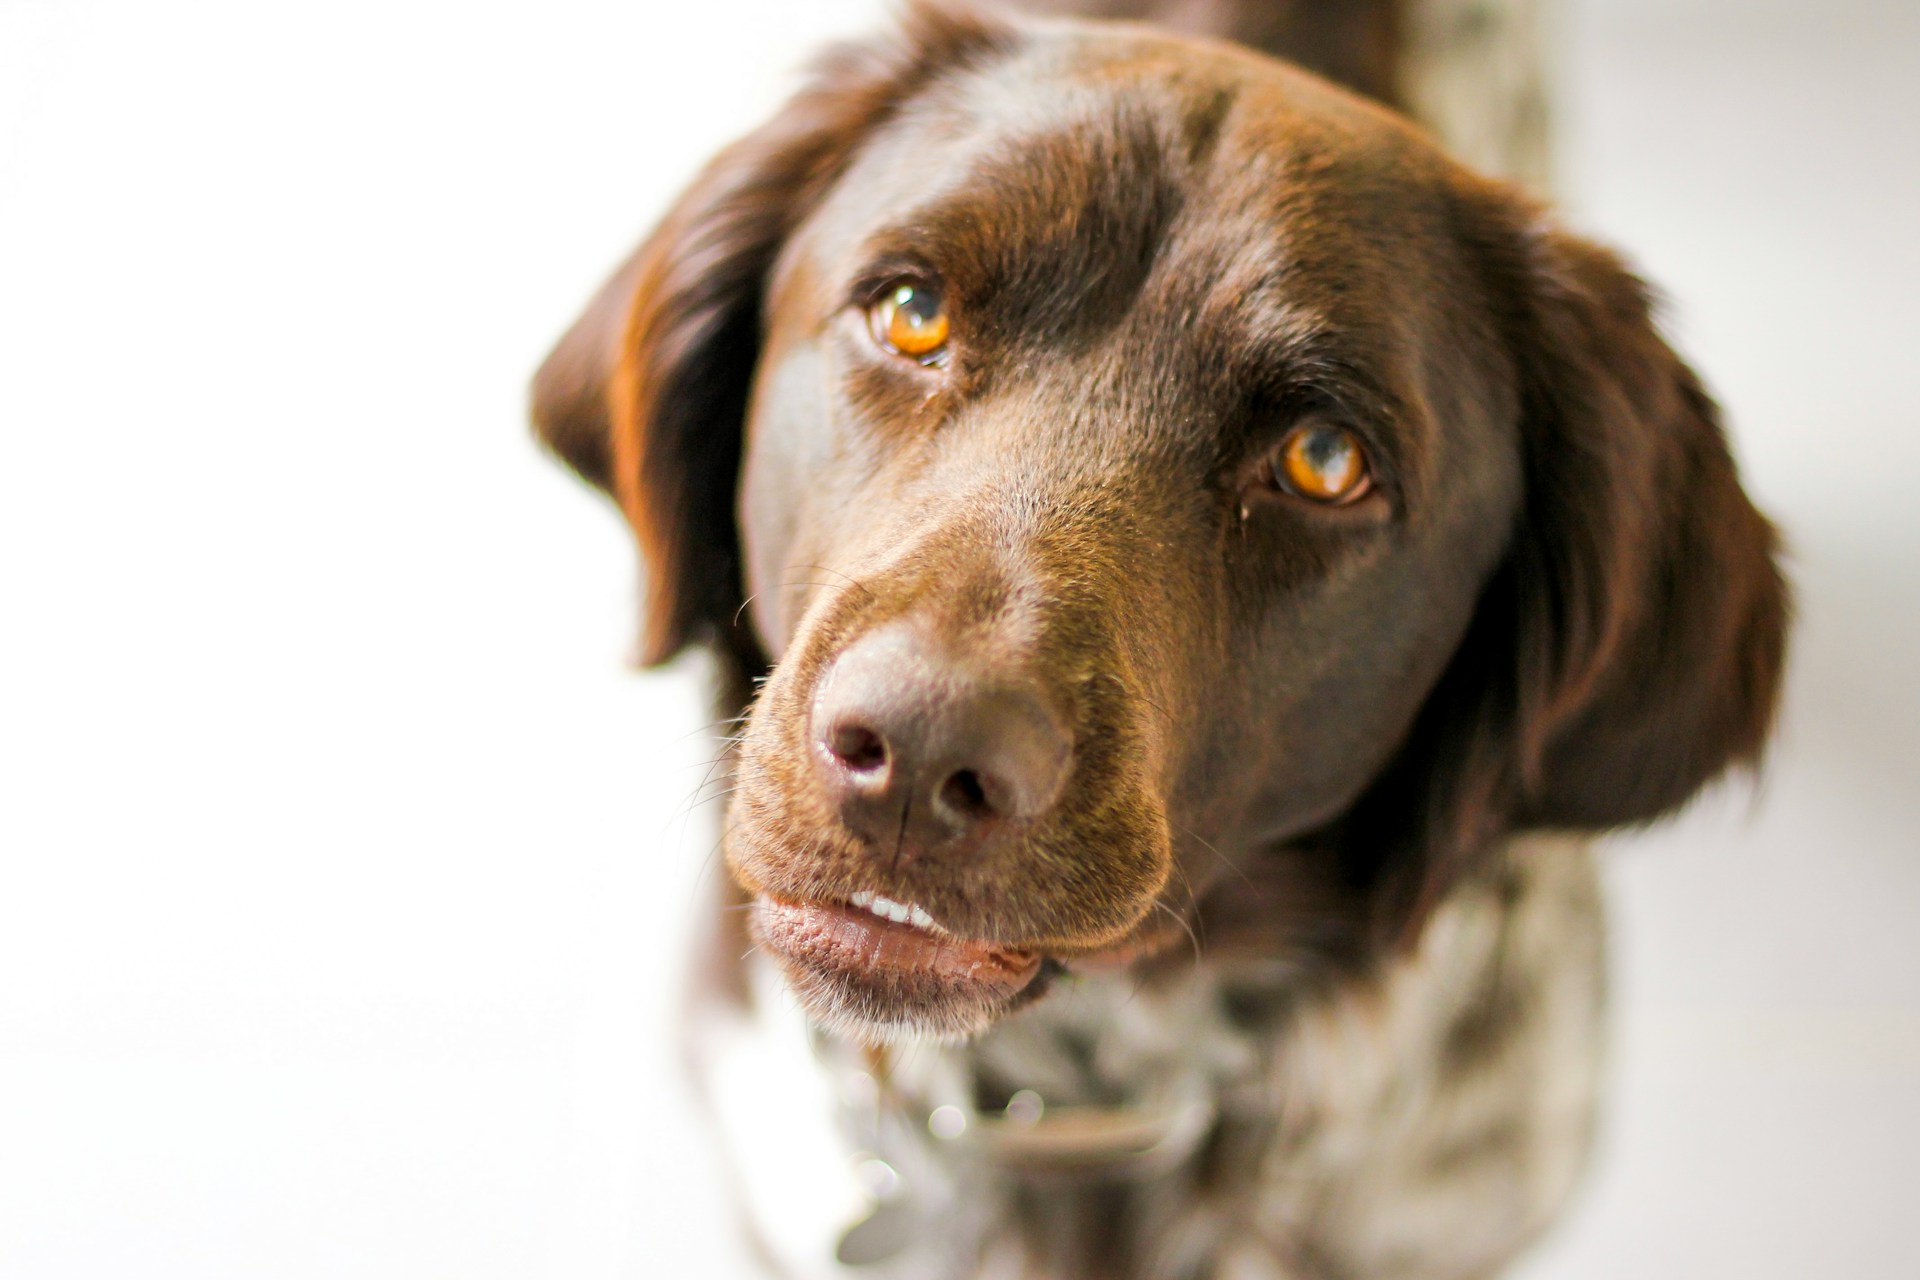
(911, 319)
(1323, 463)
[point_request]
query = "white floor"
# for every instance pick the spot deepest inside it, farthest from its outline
(342, 867)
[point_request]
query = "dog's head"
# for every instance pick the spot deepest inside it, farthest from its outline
(1168, 493)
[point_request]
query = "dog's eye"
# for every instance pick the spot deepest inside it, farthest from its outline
(1323, 463)
(911, 320)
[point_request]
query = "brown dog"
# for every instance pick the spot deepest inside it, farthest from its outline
(1189, 530)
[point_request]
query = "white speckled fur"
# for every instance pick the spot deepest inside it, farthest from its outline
(1422, 1124)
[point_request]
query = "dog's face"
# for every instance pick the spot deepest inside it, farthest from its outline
(1155, 298)
(1162, 474)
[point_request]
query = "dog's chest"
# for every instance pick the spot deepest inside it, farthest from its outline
(1220, 1124)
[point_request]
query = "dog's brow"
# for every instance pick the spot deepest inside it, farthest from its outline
(1287, 350)
(1065, 219)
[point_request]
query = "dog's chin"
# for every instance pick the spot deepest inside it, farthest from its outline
(873, 979)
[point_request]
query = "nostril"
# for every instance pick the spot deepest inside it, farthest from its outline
(915, 748)
(857, 747)
(964, 794)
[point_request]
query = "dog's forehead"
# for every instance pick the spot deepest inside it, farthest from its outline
(1084, 175)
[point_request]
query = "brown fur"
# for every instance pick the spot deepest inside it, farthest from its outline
(1299, 735)
(1357, 43)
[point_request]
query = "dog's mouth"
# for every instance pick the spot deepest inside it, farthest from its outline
(878, 969)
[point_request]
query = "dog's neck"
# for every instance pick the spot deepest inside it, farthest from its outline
(1137, 1101)
(1114, 1079)
(1107, 1080)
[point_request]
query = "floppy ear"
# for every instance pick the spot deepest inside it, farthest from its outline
(646, 395)
(1629, 648)
(1651, 613)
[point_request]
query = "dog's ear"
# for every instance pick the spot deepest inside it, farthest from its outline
(646, 395)
(1629, 648)
(1651, 615)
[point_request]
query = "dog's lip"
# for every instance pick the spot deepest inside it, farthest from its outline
(869, 929)
(873, 932)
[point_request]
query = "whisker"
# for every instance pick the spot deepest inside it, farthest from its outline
(692, 802)
(714, 797)
(705, 869)
(1225, 861)
(1180, 920)
(713, 724)
(850, 579)
(1114, 676)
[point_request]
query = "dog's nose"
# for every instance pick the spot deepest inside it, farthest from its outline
(924, 752)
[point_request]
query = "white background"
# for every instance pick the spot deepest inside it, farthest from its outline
(342, 864)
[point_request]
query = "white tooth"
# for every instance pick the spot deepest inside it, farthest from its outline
(898, 912)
